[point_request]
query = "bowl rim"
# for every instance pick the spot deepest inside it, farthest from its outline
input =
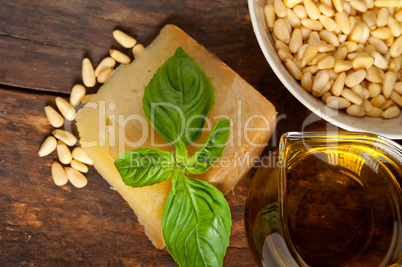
(335, 117)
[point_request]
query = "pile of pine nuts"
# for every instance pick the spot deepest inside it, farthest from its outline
(347, 52)
(61, 140)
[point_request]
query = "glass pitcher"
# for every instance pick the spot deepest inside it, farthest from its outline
(329, 200)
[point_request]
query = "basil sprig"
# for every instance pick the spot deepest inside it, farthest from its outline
(196, 218)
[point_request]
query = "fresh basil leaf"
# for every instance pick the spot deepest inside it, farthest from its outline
(145, 166)
(196, 222)
(181, 153)
(178, 99)
(212, 148)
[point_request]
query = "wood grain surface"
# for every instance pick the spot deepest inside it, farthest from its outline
(42, 44)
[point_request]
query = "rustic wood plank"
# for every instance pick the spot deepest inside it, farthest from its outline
(44, 50)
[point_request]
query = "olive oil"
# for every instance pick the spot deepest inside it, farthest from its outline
(334, 201)
(340, 211)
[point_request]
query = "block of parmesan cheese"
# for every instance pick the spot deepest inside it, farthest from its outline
(114, 122)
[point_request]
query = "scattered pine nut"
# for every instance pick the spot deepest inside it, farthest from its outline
(54, 118)
(80, 155)
(64, 136)
(104, 75)
(124, 39)
(76, 178)
(119, 56)
(77, 93)
(79, 166)
(106, 63)
(65, 108)
(47, 147)
(88, 73)
(63, 153)
(59, 175)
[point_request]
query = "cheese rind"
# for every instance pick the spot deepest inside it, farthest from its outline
(113, 122)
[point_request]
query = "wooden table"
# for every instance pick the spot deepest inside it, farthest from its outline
(42, 44)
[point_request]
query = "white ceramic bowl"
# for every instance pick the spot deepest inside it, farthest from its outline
(389, 128)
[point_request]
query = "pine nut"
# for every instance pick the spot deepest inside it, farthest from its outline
(119, 56)
(124, 39)
(382, 17)
(314, 25)
(325, 96)
(369, 3)
(379, 45)
(374, 112)
(339, 84)
(292, 3)
(386, 3)
(390, 40)
(300, 11)
(296, 41)
(356, 111)
(87, 98)
(382, 33)
(269, 12)
(365, 36)
(397, 98)
(369, 49)
(137, 49)
(317, 58)
(328, 23)
(379, 60)
(355, 78)
(394, 26)
(77, 93)
(374, 89)
(65, 108)
(310, 52)
(324, 90)
(321, 79)
(59, 175)
(312, 10)
(357, 33)
(326, 10)
(293, 19)
(341, 66)
(47, 147)
(352, 56)
(293, 69)
(54, 118)
(398, 15)
(107, 62)
(281, 45)
(66, 137)
(378, 101)
(79, 166)
(398, 87)
(342, 20)
(342, 38)
(63, 153)
(391, 112)
(305, 32)
(314, 39)
(373, 75)
(327, 62)
(80, 155)
(329, 37)
(88, 73)
(388, 103)
(76, 178)
(104, 75)
(370, 19)
(351, 46)
(341, 53)
(280, 8)
(351, 96)
(358, 5)
(396, 48)
(311, 69)
(284, 55)
(367, 106)
(388, 83)
(307, 81)
(363, 62)
(338, 4)
(326, 48)
(337, 102)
